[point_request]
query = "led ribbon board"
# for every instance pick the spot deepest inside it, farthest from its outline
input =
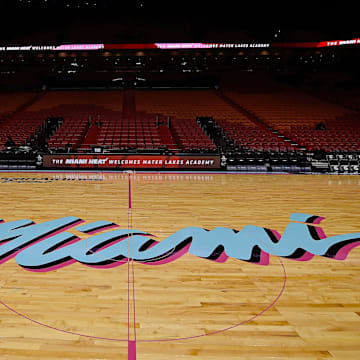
(178, 46)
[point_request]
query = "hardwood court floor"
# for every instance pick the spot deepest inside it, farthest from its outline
(317, 317)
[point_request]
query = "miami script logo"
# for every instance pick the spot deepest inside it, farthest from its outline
(48, 246)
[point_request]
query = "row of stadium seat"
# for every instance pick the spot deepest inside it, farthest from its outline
(87, 124)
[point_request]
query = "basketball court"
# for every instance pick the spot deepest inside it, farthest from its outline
(182, 306)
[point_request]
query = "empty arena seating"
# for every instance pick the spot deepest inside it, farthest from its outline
(187, 104)
(74, 127)
(97, 118)
(104, 123)
(335, 139)
(190, 136)
(108, 129)
(10, 102)
(183, 107)
(118, 133)
(349, 98)
(20, 127)
(107, 99)
(296, 116)
(255, 138)
(80, 111)
(75, 107)
(159, 119)
(285, 109)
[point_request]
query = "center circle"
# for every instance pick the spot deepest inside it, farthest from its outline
(243, 322)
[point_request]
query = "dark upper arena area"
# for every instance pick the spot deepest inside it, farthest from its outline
(262, 101)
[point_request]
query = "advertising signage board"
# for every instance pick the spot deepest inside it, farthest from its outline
(133, 161)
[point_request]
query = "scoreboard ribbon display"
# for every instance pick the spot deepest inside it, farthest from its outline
(177, 46)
